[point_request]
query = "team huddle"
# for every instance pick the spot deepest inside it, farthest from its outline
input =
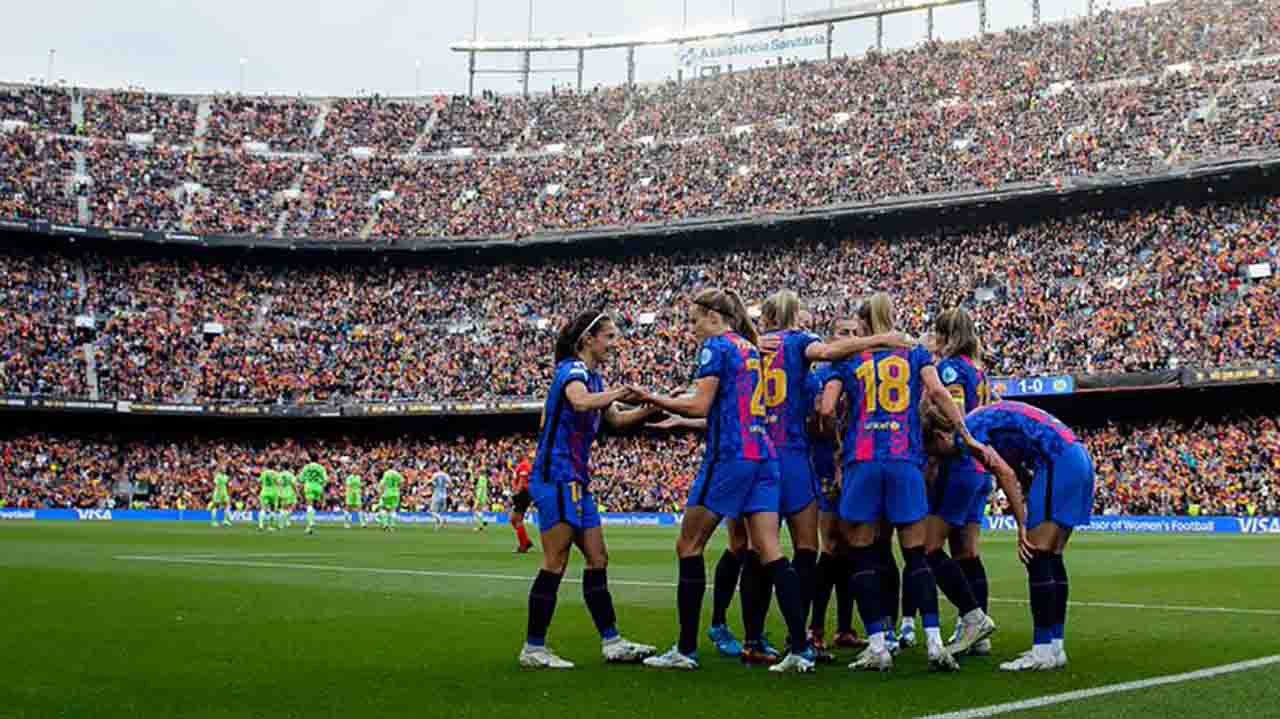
(850, 441)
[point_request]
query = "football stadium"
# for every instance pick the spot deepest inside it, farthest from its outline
(926, 350)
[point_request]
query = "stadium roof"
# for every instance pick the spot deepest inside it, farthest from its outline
(712, 31)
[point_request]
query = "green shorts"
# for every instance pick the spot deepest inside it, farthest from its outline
(268, 499)
(391, 501)
(221, 497)
(288, 500)
(353, 501)
(314, 495)
(482, 503)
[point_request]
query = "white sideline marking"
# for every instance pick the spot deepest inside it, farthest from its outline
(198, 559)
(1051, 699)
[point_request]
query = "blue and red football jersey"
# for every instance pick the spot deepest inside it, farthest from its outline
(884, 390)
(969, 389)
(564, 447)
(736, 422)
(1022, 434)
(788, 402)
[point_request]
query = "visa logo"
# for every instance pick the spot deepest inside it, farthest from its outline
(1259, 525)
(93, 515)
(1005, 522)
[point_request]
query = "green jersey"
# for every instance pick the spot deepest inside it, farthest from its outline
(287, 482)
(220, 482)
(391, 481)
(268, 481)
(355, 485)
(482, 487)
(314, 476)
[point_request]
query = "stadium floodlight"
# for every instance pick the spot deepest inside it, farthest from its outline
(702, 32)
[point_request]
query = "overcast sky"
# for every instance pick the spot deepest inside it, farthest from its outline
(342, 48)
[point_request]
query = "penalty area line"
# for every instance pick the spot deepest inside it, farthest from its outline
(1080, 694)
(189, 559)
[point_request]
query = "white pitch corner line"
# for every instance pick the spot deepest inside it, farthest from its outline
(1052, 699)
(238, 562)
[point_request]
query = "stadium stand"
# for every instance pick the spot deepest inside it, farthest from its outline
(1130, 92)
(1134, 290)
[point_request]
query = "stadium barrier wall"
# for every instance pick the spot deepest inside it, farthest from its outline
(1118, 524)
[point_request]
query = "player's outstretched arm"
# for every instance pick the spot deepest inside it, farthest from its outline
(843, 349)
(583, 400)
(695, 405)
(623, 418)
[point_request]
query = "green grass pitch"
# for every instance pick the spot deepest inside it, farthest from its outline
(360, 623)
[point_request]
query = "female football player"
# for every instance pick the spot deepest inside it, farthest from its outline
(567, 513)
(883, 476)
(739, 475)
(1059, 498)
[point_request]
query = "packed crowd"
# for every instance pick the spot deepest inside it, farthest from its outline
(1132, 290)
(1041, 105)
(1220, 467)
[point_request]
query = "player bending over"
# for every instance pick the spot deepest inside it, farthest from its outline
(1057, 472)
(560, 485)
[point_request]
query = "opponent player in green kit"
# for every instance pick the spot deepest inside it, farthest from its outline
(268, 498)
(355, 501)
(314, 479)
(221, 498)
(391, 481)
(481, 501)
(287, 486)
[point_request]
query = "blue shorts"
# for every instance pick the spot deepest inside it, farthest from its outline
(959, 495)
(1063, 490)
(799, 486)
(564, 502)
(736, 487)
(883, 490)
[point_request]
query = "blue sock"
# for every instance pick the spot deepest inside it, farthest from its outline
(542, 605)
(689, 593)
(1043, 592)
(920, 585)
(865, 586)
(595, 593)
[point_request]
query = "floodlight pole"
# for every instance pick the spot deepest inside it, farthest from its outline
(1090, 8)
(982, 16)
(581, 64)
(631, 67)
(831, 31)
(880, 32)
(471, 74)
(1035, 13)
(929, 23)
(524, 72)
